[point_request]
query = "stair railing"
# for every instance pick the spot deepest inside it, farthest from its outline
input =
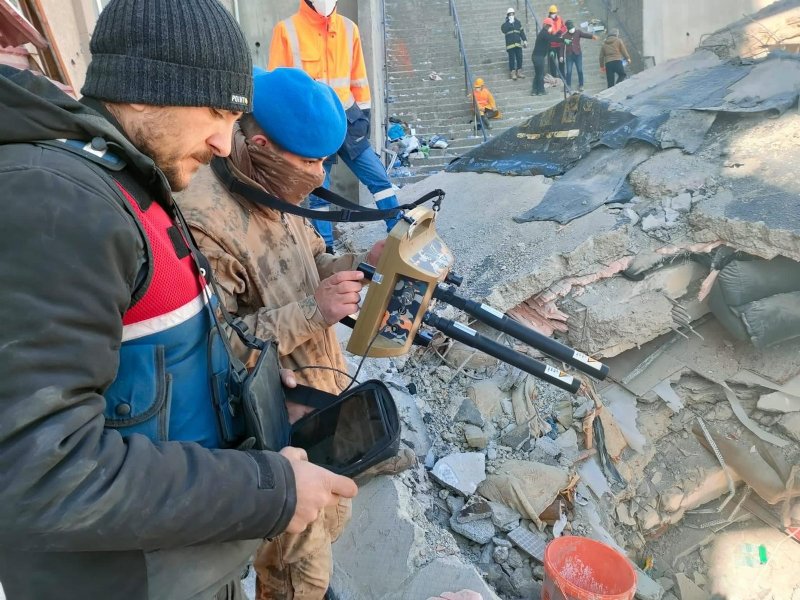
(529, 12)
(467, 72)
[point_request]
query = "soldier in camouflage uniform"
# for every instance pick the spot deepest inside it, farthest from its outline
(275, 274)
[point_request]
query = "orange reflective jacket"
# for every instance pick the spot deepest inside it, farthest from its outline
(484, 99)
(327, 48)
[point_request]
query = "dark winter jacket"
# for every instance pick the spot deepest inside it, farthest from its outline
(515, 34)
(543, 41)
(84, 511)
(574, 47)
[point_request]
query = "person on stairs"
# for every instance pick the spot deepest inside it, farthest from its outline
(327, 46)
(611, 56)
(516, 40)
(541, 49)
(487, 107)
(574, 55)
(556, 53)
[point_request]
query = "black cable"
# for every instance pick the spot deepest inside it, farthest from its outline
(363, 358)
(334, 369)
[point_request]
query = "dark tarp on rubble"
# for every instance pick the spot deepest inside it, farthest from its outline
(667, 107)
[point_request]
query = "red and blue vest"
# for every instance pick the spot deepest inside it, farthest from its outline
(171, 382)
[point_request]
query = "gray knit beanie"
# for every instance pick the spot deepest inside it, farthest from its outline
(170, 53)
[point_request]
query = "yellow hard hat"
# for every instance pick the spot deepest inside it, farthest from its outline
(553, 9)
(478, 82)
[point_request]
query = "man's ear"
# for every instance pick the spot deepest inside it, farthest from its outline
(260, 140)
(138, 107)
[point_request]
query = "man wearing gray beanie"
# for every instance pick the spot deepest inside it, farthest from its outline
(123, 472)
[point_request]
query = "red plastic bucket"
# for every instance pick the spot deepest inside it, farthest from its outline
(577, 568)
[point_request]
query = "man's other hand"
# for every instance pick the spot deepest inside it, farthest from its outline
(316, 488)
(338, 295)
(375, 252)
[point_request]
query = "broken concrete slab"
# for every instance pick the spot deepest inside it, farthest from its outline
(671, 173)
(615, 314)
(460, 472)
(441, 575)
(499, 271)
(480, 532)
(778, 402)
(374, 534)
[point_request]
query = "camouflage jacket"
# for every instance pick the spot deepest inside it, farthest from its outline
(269, 265)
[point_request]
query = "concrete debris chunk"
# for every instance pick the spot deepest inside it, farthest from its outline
(469, 413)
(498, 541)
(461, 472)
(682, 203)
(549, 446)
(507, 406)
(568, 443)
(440, 575)
(653, 221)
(487, 396)
(504, 518)
(530, 542)
(480, 532)
(455, 504)
(646, 588)
(689, 590)
(779, 402)
(790, 425)
(516, 437)
(624, 516)
(501, 554)
(631, 215)
(475, 509)
(475, 436)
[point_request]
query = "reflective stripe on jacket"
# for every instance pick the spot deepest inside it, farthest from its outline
(515, 34)
(327, 48)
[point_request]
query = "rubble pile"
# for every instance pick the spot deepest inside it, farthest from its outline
(686, 459)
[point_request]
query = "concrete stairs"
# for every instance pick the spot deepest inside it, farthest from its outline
(421, 39)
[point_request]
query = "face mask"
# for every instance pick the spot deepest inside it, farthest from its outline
(324, 7)
(510, 18)
(572, 30)
(553, 15)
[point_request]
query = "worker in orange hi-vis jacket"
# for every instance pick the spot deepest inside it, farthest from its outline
(327, 46)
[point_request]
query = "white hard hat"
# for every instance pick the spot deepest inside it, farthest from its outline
(510, 10)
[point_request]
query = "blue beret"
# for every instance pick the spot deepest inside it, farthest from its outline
(299, 114)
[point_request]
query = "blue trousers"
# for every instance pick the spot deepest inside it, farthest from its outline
(575, 60)
(369, 170)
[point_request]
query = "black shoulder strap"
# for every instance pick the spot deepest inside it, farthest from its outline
(352, 213)
(308, 396)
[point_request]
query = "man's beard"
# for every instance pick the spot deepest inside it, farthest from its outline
(150, 142)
